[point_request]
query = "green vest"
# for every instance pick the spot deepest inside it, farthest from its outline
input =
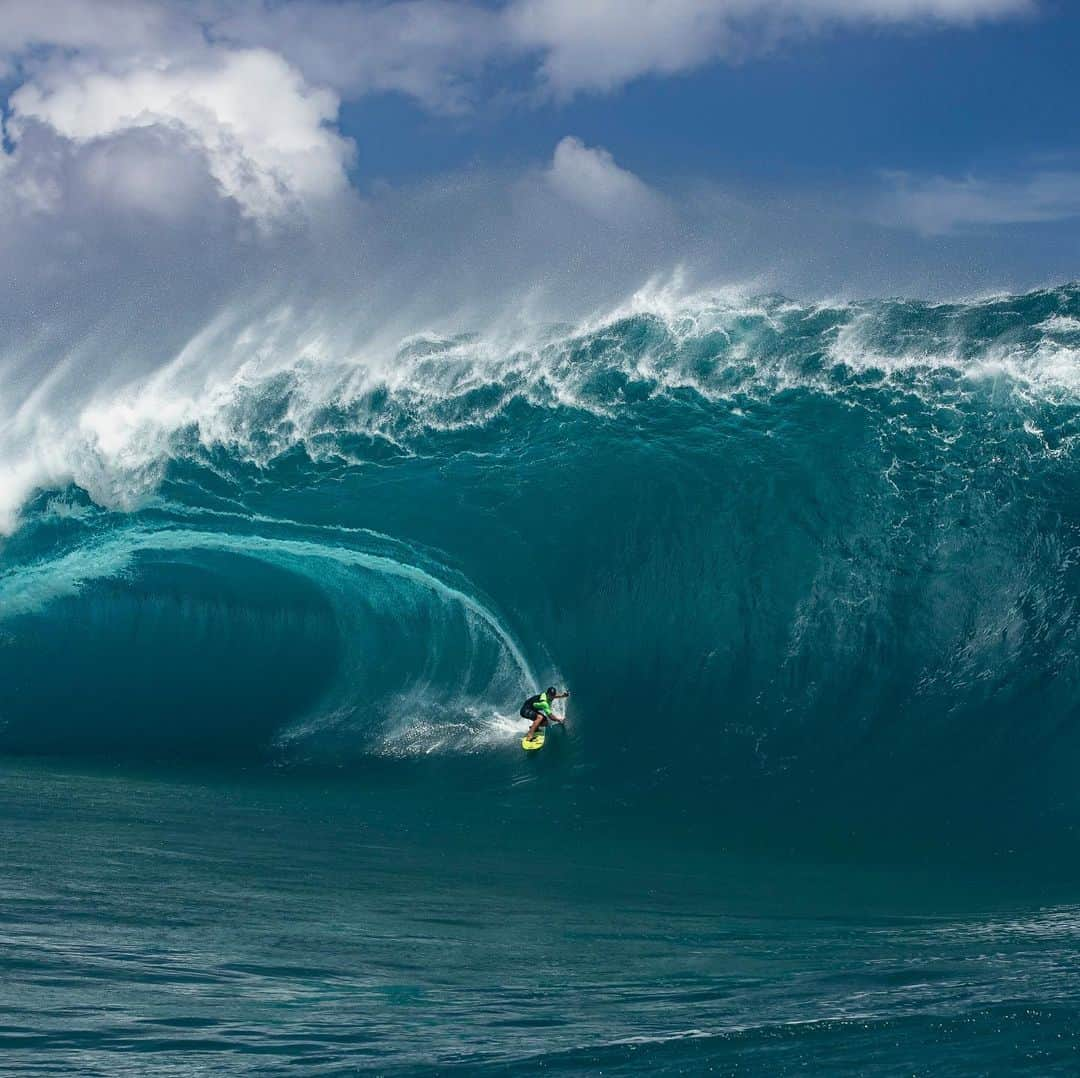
(543, 705)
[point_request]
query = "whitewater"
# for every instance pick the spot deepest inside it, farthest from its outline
(269, 607)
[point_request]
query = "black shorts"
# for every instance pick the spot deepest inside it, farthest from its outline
(532, 715)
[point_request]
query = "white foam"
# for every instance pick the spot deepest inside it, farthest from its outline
(1060, 324)
(260, 380)
(460, 730)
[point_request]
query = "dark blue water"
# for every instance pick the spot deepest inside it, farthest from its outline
(185, 922)
(812, 576)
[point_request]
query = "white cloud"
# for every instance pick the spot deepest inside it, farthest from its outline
(431, 50)
(959, 11)
(251, 87)
(603, 44)
(590, 178)
(113, 26)
(937, 206)
(145, 171)
(264, 132)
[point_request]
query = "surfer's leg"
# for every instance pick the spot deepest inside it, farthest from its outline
(533, 725)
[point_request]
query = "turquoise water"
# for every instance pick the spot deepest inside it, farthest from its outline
(811, 573)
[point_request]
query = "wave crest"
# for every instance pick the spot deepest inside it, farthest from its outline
(259, 390)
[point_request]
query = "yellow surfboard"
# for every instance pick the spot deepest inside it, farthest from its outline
(536, 743)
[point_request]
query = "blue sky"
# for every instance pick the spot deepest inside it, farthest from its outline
(994, 98)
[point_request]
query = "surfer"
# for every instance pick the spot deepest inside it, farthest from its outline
(537, 709)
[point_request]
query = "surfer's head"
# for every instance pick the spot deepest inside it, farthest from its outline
(550, 690)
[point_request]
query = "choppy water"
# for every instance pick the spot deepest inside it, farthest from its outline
(189, 924)
(810, 571)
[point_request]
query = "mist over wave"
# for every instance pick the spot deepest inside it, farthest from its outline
(789, 556)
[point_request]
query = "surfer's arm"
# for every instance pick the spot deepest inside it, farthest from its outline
(560, 696)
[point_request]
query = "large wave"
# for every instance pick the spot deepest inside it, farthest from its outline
(787, 555)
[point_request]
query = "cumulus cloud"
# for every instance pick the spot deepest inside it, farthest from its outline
(937, 205)
(590, 178)
(264, 132)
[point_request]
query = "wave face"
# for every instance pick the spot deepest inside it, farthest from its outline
(787, 557)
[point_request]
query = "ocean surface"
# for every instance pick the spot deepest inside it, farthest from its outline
(811, 572)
